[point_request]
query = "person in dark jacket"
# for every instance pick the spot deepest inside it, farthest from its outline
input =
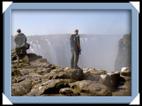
(75, 48)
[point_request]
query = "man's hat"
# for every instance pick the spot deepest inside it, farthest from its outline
(18, 30)
(76, 30)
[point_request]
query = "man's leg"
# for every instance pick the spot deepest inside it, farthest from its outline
(25, 55)
(72, 60)
(76, 59)
(18, 54)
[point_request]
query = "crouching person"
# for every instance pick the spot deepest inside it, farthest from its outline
(21, 46)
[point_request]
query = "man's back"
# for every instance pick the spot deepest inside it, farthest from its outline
(20, 40)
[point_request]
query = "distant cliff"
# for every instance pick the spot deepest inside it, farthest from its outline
(124, 50)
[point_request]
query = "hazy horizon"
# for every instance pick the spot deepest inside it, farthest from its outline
(97, 51)
(44, 22)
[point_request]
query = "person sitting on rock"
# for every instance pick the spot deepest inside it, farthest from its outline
(21, 45)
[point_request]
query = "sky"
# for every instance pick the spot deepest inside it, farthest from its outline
(109, 22)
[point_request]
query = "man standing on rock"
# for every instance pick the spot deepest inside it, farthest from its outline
(21, 45)
(75, 49)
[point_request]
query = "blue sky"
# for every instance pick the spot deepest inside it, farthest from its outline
(107, 22)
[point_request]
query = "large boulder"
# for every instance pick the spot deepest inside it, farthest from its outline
(17, 79)
(35, 78)
(92, 77)
(33, 57)
(16, 72)
(21, 88)
(39, 63)
(106, 80)
(125, 73)
(68, 92)
(93, 74)
(49, 87)
(124, 50)
(94, 71)
(90, 88)
(13, 54)
(123, 90)
(67, 73)
(115, 79)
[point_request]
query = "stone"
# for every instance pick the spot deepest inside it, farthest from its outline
(123, 90)
(33, 57)
(91, 88)
(22, 88)
(76, 74)
(115, 78)
(106, 80)
(13, 55)
(68, 92)
(16, 72)
(49, 87)
(91, 76)
(125, 73)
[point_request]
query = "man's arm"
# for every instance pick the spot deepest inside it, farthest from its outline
(25, 37)
(71, 40)
(78, 44)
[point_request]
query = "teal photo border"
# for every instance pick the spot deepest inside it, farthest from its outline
(71, 99)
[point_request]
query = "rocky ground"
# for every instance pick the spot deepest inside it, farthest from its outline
(40, 78)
